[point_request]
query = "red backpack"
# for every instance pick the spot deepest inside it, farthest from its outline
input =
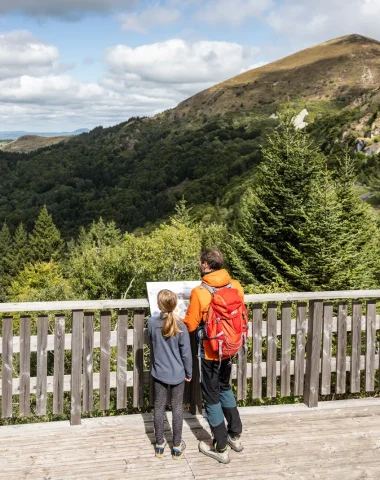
(226, 324)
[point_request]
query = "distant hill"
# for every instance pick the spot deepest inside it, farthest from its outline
(206, 149)
(28, 143)
(13, 135)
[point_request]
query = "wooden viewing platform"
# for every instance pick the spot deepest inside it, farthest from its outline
(74, 358)
(337, 441)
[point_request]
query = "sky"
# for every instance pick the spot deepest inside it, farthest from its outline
(68, 64)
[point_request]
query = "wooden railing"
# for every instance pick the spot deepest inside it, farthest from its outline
(302, 354)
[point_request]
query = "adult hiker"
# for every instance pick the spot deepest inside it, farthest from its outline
(215, 306)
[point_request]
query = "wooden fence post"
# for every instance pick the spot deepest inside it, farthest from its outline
(42, 335)
(313, 353)
(122, 345)
(7, 368)
(105, 360)
(76, 367)
(138, 359)
(24, 366)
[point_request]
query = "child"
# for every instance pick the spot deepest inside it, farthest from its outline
(172, 365)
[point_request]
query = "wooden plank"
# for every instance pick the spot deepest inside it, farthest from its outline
(257, 346)
(341, 348)
(241, 374)
(122, 342)
(74, 305)
(68, 339)
(326, 348)
(313, 353)
(286, 317)
(299, 367)
(271, 350)
(105, 360)
(138, 359)
(143, 303)
(7, 368)
(41, 382)
(59, 363)
(357, 309)
(88, 362)
(76, 368)
(370, 347)
(113, 340)
(146, 376)
(308, 296)
(24, 366)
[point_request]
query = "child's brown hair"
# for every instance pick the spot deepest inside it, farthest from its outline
(167, 301)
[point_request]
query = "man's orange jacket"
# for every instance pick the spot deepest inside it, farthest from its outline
(200, 301)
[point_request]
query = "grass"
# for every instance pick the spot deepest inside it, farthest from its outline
(29, 143)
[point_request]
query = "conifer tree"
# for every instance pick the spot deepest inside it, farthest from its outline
(300, 229)
(273, 211)
(20, 248)
(45, 240)
(5, 260)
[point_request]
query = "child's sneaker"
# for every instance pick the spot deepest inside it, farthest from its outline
(235, 443)
(159, 449)
(178, 451)
(211, 451)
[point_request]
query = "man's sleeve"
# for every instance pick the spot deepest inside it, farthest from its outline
(194, 313)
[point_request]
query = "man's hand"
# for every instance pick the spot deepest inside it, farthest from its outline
(187, 379)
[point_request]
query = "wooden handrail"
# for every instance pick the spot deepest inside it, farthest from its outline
(73, 305)
(143, 302)
(306, 296)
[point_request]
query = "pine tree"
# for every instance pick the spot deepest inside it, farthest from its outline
(359, 222)
(298, 227)
(273, 211)
(20, 248)
(5, 260)
(45, 241)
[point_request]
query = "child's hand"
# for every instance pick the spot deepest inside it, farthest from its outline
(187, 379)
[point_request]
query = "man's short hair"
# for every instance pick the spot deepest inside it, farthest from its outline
(213, 257)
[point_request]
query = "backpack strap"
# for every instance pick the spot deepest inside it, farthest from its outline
(213, 290)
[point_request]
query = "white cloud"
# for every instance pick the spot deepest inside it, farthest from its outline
(64, 8)
(178, 61)
(53, 90)
(139, 81)
(155, 16)
(22, 53)
(232, 12)
(309, 21)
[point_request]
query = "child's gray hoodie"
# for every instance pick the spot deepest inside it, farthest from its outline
(172, 356)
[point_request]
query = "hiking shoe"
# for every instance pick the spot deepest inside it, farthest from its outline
(235, 443)
(178, 451)
(211, 451)
(159, 449)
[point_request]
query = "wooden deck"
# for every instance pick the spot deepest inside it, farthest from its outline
(338, 440)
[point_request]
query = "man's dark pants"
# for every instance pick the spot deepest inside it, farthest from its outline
(220, 401)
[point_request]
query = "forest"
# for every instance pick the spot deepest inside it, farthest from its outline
(297, 225)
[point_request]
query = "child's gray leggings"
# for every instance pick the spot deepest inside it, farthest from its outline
(160, 397)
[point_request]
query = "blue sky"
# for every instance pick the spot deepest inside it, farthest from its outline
(82, 63)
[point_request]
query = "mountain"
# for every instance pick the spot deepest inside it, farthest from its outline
(13, 135)
(205, 150)
(336, 72)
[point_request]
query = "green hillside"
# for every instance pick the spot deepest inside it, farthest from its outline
(205, 150)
